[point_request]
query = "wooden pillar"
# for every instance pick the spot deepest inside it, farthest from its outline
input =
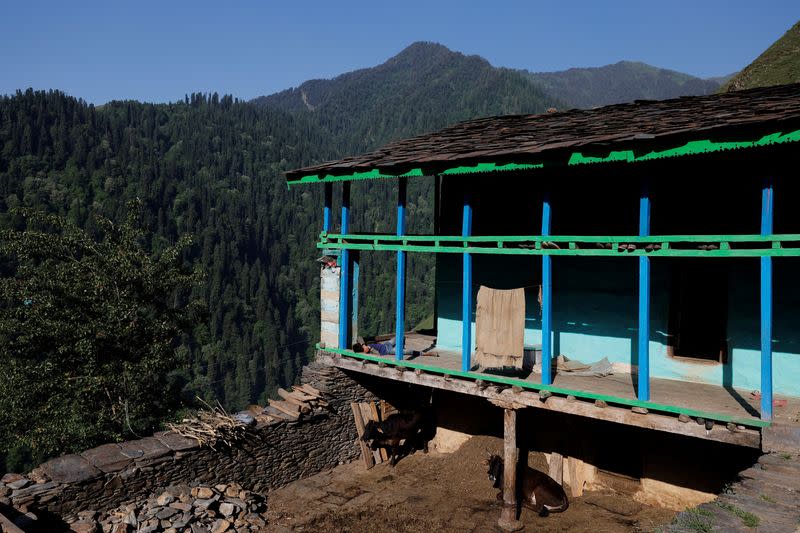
(400, 307)
(547, 301)
(326, 211)
(344, 284)
(767, 202)
(466, 288)
(508, 516)
(644, 301)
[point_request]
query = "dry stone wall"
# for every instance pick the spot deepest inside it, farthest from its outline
(270, 455)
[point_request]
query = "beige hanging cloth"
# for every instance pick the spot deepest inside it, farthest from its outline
(500, 327)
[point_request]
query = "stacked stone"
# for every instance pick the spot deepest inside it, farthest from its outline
(272, 453)
(200, 509)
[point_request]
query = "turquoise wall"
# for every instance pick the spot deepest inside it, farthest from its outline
(595, 314)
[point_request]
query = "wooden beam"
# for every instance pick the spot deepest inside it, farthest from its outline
(620, 415)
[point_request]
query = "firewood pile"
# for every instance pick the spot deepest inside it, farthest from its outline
(210, 426)
(200, 509)
(302, 401)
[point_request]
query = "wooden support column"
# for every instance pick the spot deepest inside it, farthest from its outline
(547, 301)
(767, 202)
(400, 306)
(344, 283)
(466, 288)
(644, 301)
(326, 211)
(508, 516)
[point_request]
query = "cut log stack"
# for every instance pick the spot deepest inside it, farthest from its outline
(302, 400)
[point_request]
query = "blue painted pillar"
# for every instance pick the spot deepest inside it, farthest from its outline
(466, 289)
(644, 301)
(344, 283)
(400, 329)
(326, 211)
(547, 301)
(767, 202)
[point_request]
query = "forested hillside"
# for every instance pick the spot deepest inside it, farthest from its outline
(624, 81)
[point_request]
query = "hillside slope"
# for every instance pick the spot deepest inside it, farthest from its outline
(624, 81)
(423, 88)
(779, 64)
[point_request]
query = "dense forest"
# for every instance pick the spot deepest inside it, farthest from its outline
(211, 167)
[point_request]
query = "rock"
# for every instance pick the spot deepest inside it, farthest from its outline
(165, 499)
(202, 505)
(226, 509)
(220, 526)
(11, 478)
(197, 528)
(221, 488)
(233, 490)
(19, 484)
(84, 526)
(121, 528)
(166, 512)
(202, 493)
(185, 507)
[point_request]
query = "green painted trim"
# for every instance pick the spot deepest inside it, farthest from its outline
(490, 167)
(576, 158)
(768, 245)
(368, 175)
(690, 148)
(613, 400)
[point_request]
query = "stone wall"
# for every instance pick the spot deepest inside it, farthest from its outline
(270, 455)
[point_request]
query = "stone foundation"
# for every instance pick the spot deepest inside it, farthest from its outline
(269, 456)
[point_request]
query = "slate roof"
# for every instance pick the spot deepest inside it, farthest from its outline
(637, 126)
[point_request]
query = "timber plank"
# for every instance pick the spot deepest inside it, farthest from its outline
(366, 453)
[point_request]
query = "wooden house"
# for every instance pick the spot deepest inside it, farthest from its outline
(661, 235)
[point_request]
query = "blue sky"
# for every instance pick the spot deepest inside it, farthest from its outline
(159, 51)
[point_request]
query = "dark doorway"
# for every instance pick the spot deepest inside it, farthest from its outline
(698, 310)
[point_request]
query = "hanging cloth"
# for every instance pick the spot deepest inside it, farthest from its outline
(500, 327)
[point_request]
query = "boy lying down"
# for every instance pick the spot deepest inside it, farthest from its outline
(387, 348)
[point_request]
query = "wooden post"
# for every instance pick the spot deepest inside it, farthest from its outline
(344, 285)
(644, 301)
(767, 202)
(400, 321)
(547, 300)
(466, 289)
(326, 211)
(508, 516)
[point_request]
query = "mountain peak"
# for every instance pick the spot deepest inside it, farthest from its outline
(777, 65)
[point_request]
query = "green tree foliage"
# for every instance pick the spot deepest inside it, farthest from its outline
(88, 330)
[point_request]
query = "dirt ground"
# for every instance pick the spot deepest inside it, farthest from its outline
(438, 492)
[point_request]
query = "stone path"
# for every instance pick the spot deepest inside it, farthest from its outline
(767, 498)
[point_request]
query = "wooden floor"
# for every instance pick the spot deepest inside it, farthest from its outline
(698, 396)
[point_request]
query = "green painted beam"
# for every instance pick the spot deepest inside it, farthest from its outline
(569, 245)
(611, 400)
(701, 146)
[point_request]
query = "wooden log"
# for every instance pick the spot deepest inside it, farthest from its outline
(6, 525)
(508, 515)
(556, 464)
(297, 394)
(303, 406)
(280, 415)
(366, 453)
(309, 389)
(286, 408)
